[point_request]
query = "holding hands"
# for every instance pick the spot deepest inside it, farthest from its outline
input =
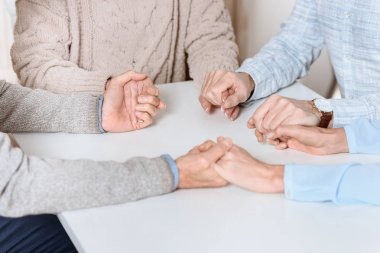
(196, 168)
(130, 103)
(278, 111)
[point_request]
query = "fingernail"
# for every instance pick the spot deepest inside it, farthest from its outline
(270, 135)
(222, 109)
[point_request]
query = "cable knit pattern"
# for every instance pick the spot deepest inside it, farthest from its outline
(75, 45)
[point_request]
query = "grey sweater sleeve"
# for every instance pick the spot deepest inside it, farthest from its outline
(26, 110)
(31, 185)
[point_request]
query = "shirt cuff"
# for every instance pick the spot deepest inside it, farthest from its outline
(100, 107)
(173, 168)
(351, 139)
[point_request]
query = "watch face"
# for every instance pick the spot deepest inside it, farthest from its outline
(323, 105)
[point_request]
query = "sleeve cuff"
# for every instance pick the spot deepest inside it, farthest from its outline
(351, 139)
(100, 107)
(173, 168)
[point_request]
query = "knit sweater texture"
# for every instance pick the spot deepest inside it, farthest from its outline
(34, 185)
(75, 45)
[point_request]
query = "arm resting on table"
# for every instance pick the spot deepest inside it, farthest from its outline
(341, 184)
(31, 185)
(27, 110)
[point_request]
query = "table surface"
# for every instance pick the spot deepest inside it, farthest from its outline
(207, 220)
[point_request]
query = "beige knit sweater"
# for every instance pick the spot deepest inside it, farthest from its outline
(75, 45)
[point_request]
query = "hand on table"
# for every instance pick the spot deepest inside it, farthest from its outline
(226, 90)
(196, 168)
(313, 140)
(277, 111)
(130, 103)
(240, 168)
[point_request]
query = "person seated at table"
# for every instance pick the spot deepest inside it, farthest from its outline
(348, 29)
(75, 46)
(37, 186)
(342, 184)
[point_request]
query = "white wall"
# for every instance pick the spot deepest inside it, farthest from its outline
(256, 21)
(6, 40)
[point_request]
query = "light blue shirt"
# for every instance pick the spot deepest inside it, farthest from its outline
(341, 184)
(350, 30)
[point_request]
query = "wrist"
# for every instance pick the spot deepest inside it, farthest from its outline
(277, 178)
(323, 108)
(249, 83)
(182, 178)
(340, 140)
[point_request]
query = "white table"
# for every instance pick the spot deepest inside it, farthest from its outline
(207, 220)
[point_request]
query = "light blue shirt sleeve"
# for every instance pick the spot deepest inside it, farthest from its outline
(289, 55)
(341, 184)
(100, 107)
(363, 137)
(174, 168)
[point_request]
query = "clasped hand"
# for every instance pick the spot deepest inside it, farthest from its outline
(130, 103)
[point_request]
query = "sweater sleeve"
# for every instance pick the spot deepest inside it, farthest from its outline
(31, 185)
(26, 110)
(210, 39)
(41, 50)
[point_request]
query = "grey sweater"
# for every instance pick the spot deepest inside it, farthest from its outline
(31, 185)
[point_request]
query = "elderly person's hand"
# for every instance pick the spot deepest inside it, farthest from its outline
(312, 140)
(130, 103)
(226, 90)
(278, 110)
(240, 168)
(196, 168)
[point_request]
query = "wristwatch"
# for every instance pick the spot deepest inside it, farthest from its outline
(324, 110)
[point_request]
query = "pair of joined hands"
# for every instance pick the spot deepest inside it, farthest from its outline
(217, 164)
(227, 90)
(131, 101)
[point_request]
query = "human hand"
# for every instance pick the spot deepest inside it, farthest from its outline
(226, 90)
(240, 168)
(196, 167)
(312, 140)
(278, 110)
(130, 103)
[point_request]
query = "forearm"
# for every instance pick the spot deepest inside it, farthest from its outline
(30, 185)
(26, 110)
(210, 40)
(341, 184)
(289, 55)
